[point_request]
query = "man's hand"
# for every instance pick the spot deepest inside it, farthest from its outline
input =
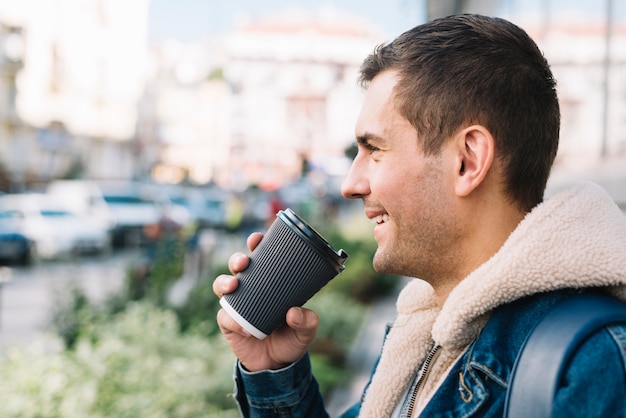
(279, 349)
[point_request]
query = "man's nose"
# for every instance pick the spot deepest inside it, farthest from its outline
(355, 185)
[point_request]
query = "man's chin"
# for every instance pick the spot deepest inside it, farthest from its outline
(381, 266)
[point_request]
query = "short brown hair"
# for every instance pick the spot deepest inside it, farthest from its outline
(477, 69)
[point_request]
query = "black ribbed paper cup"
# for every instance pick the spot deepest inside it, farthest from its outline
(291, 263)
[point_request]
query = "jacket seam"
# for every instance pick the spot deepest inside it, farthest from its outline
(618, 335)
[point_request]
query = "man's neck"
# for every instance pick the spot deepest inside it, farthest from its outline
(489, 233)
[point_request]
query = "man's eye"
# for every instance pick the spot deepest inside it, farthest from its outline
(371, 148)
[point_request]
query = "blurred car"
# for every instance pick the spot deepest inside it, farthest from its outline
(52, 230)
(84, 198)
(137, 208)
(173, 207)
(88, 235)
(211, 210)
(15, 247)
(132, 210)
(206, 207)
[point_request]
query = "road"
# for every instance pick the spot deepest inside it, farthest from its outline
(28, 296)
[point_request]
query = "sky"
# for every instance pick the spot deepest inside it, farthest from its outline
(191, 20)
(188, 20)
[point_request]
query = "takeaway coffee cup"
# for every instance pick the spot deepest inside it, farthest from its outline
(291, 263)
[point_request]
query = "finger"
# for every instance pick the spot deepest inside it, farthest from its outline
(238, 262)
(253, 240)
(228, 325)
(304, 322)
(224, 284)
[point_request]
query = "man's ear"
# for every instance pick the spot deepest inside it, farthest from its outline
(476, 148)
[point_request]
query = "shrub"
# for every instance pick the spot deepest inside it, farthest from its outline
(139, 364)
(340, 322)
(201, 306)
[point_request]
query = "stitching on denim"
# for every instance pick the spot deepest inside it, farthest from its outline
(465, 389)
(489, 373)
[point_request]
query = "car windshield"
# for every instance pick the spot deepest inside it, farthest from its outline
(180, 201)
(213, 204)
(10, 214)
(50, 213)
(130, 200)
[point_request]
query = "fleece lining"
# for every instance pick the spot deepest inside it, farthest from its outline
(576, 239)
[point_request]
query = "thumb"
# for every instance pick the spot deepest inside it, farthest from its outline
(304, 322)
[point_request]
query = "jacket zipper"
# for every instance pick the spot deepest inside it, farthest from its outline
(422, 376)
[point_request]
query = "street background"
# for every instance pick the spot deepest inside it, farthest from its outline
(213, 115)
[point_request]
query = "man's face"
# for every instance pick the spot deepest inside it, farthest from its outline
(406, 194)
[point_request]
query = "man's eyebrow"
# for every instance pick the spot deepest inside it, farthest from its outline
(367, 137)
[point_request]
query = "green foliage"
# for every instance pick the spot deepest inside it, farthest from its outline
(351, 150)
(340, 322)
(66, 313)
(216, 74)
(359, 280)
(328, 375)
(201, 306)
(136, 365)
(158, 270)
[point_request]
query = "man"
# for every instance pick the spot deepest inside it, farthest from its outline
(457, 135)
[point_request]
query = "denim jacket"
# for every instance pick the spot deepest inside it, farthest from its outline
(595, 383)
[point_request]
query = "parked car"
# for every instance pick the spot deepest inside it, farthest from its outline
(138, 208)
(88, 235)
(133, 210)
(15, 246)
(211, 211)
(205, 206)
(84, 198)
(52, 229)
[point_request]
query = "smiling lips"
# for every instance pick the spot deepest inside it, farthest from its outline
(380, 219)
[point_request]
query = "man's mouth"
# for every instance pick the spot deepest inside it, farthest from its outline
(380, 219)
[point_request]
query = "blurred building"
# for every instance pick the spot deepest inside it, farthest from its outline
(294, 78)
(585, 43)
(255, 105)
(13, 133)
(82, 72)
(589, 63)
(83, 94)
(185, 117)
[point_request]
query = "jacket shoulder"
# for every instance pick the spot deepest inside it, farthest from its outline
(477, 383)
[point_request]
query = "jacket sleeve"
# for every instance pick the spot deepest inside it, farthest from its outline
(288, 392)
(595, 381)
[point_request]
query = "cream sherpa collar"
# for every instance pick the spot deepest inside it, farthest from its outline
(575, 239)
